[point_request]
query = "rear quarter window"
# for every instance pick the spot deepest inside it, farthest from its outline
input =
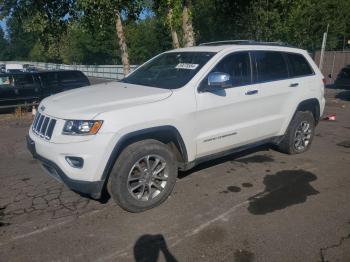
(270, 66)
(49, 78)
(69, 76)
(298, 65)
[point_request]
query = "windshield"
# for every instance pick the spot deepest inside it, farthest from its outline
(169, 70)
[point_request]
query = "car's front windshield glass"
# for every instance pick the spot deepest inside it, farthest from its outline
(169, 70)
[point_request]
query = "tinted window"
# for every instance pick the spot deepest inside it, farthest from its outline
(237, 66)
(298, 65)
(345, 73)
(71, 76)
(169, 70)
(270, 66)
(22, 80)
(49, 78)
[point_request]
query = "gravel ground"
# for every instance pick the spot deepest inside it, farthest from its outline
(259, 205)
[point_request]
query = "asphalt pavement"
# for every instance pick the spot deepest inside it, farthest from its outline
(259, 205)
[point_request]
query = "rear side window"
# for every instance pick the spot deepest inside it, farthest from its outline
(71, 76)
(270, 66)
(298, 65)
(49, 78)
(23, 80)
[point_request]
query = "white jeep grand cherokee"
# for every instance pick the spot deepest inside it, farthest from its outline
(180, 108)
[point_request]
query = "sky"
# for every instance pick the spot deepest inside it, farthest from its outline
(4, 27)
(3, 24)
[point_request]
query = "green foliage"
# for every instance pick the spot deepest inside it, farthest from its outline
(83, 31)
(299, 22)
(161, 8)
(3, 46)
(146, 39)
(20, 42)
(83, 46)
(101, 13)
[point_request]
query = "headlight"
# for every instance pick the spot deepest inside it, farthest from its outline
(81, 127)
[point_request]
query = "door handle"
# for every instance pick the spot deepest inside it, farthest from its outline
(293, 84)
(251, 92)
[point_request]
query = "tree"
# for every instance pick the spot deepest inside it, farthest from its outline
(3, 46)
(20, 42)
(215, 20)
(298, 22)
(187, 28)
(169, 12)
(47, 20)
(88, 46)
(105, 12)
(146, 38)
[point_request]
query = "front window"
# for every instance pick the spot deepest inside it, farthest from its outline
(169, 70)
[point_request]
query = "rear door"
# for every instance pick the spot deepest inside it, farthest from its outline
(50, 83)
(27, 87)
(7, 91)
(277, 91)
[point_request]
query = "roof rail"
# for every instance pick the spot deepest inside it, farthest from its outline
(244, 42)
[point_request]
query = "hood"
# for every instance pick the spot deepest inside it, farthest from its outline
(87, 102)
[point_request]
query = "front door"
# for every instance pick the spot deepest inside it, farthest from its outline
(225, 116)
(246, 112)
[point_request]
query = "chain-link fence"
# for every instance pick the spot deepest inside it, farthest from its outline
(101, 71)
(334, 61)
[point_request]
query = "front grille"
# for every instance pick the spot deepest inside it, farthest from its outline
(43, 126)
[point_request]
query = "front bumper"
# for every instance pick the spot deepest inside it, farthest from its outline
(91, 188)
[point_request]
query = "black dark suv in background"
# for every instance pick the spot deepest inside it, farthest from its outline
(28, 88)
(343, 78)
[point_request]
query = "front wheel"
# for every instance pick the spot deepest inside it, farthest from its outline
(299, 135)
(143, 176)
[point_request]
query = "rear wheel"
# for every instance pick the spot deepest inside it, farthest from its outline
(300, 133)
(143, 176)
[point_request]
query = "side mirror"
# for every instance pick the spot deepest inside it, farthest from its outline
(330, 76)
(219, 79)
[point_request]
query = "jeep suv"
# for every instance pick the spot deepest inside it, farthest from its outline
(182, 107)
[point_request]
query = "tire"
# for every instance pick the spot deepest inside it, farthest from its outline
(131, 170)
(300, 121)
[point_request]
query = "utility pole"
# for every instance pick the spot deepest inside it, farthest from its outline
(323, 48)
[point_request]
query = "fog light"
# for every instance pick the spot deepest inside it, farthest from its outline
(76, 162)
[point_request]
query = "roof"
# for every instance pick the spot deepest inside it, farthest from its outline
(244, 42)
(231, 45)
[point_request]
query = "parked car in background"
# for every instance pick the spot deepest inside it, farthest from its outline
(343, 78)
(29, 68)
(2, 68)
(14, 68)
(29, 87)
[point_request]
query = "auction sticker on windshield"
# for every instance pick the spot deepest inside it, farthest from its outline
(187, 66)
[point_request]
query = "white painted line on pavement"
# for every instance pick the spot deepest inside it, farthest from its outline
(44, 229)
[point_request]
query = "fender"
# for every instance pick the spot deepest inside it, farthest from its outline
(165, 134)
(312, 105)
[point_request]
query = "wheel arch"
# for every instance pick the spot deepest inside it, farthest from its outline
(166, 134)
(312, 105)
